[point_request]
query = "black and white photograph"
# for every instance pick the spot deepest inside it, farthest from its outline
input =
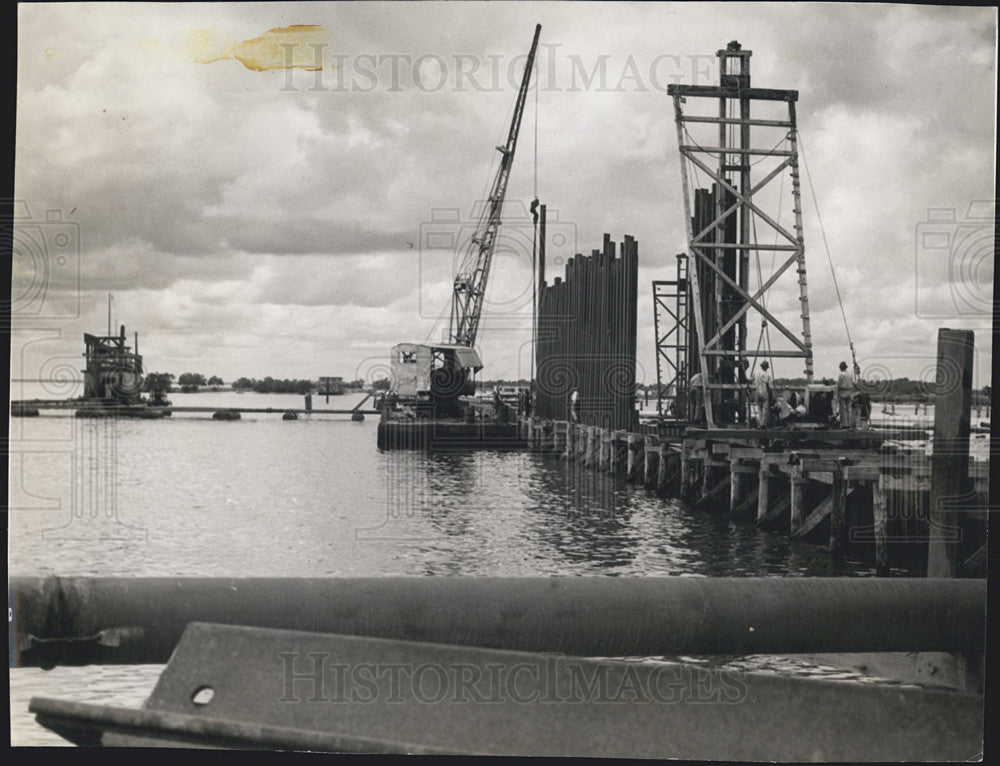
(573, 379)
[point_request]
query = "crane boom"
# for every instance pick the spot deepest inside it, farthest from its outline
(470, 281)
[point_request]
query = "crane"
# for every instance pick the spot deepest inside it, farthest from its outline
(431, 378)
(470, 281)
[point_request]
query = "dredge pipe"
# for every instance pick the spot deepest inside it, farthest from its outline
(104, 620)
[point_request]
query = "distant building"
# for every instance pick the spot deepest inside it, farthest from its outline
(331, 386)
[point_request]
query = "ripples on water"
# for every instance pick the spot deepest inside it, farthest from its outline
(189, 496)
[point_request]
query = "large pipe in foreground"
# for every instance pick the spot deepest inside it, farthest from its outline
(102, 620)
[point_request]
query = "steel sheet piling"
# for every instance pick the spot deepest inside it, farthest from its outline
(591, 321)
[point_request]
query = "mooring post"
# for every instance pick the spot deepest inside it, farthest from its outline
(588, 457)
(838, 512)
(570, 441)
(880, 517)
(950, 485)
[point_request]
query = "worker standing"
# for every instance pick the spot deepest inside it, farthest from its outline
(845, 395)
(498, 405)
(697, 398)
(763, 394)
(574, 412)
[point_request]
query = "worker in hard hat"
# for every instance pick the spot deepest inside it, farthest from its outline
(845, 396)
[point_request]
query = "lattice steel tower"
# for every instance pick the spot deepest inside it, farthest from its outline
(747, 171)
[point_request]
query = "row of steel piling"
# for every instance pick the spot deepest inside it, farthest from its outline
(586, 338)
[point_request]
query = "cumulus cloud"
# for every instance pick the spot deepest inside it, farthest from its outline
(274, 220)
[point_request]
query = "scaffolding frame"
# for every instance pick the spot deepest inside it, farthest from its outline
(670, 322)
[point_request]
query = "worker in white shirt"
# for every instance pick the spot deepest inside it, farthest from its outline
(845, 396)
(763, 395)
(697, 412)
(574, 411)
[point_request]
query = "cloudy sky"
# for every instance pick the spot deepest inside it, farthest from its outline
(283, 222)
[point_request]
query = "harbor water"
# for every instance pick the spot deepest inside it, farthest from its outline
(189, 496)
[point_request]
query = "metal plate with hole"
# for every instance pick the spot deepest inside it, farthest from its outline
(294, 690)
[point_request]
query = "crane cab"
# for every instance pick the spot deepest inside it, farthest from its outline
(431, 378)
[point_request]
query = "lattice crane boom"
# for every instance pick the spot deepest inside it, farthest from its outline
(470, 282)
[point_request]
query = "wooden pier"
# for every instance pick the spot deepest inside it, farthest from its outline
(839, 487)
(836, 486)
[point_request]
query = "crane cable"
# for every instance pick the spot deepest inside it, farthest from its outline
(836, 287)
(534, 243)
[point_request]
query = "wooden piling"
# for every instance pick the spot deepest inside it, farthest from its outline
(797, 487)
(635, 456)
(650, 461)
(950, 484)
(604, 455)
(880, 520)
(838, 511)
(763, 490)
(740, 478)
(618, 457)
(662, 466)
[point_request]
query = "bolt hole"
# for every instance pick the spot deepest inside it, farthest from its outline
(202, 695)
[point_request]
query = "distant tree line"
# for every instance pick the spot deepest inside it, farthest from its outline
(188, 381)
(271, 385)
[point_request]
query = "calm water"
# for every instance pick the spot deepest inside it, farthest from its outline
(190, 496)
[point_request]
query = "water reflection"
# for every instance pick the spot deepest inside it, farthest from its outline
(265, 497)
(584, 516)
